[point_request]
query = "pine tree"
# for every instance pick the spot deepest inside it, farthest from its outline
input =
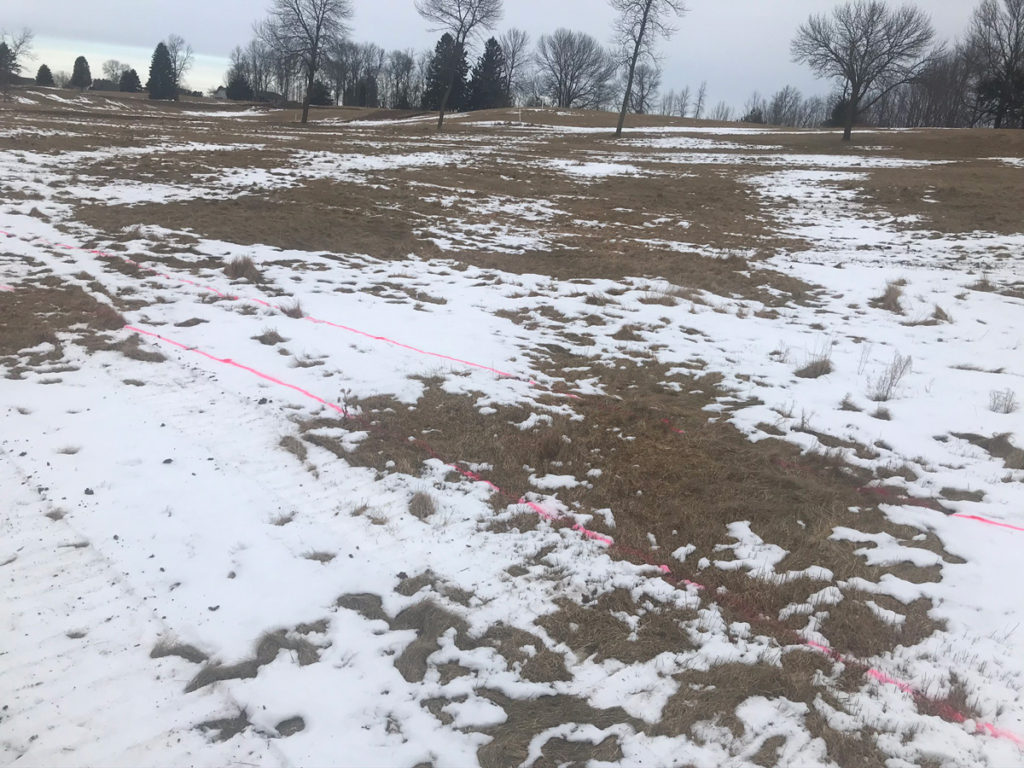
(320, 94)
(161, 83)
(447, 56)
(239, 88)
(129, 82)
(81, 77)
(44, 77)
(487, 86)
(8, 69)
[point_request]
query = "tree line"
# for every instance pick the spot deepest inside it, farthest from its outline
(172, 59)
(883, 61)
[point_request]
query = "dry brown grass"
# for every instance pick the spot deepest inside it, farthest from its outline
(891, 298)
(243, 268)
(421, 506)
(34, 315)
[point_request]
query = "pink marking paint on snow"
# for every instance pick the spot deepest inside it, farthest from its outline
(6, 287)
(986, 521)
(255, 372)
(415, 349)
(982, 728)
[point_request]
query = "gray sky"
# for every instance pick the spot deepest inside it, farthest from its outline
(738, 46)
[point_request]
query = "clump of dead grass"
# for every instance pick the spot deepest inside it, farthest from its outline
(293, 310)
(1003, 401)
(270, 337)
(243, 268)
(891, 298)
(883, 388)
(819, 364)
(421, 506)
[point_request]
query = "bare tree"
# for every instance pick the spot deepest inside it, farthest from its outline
(461, 18)
(639, 23)
(646, 81)
(181, 60)
(996, 43)
(868, 47)
(784, 107)
(302, 30)
(14, 49)
(683, 102)
(722, 112)
(514, 44)
(701, 100)
(113, 69)
(573, 69)
(755, 108)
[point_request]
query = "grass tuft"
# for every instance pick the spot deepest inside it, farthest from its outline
(421, 506)
(884, 387)
(1003, 401)
(891, 298)
(243, 268)
(293, 310)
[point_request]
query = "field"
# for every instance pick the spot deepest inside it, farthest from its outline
(515, 445)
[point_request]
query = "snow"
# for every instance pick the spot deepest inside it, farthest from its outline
(176, 518)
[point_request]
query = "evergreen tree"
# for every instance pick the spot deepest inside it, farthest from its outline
(447, 56)
(320, 95)
(487, 86)
(129, 82)
(44, 77)
(8, 69)
(239, 88)
(161, 84)
(81, 77)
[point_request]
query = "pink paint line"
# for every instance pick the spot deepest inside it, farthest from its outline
(986, 521)
(385, 339)
(987, 729)
(6, 287)
(228, 361)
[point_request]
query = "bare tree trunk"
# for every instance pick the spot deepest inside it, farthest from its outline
(851, 116)
(629, 90)
(632, 70)
(309, 92)
(444, 101)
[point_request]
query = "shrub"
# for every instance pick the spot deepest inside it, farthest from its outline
(884, 387)
(1003, 401)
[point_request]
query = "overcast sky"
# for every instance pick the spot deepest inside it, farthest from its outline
(738, 46)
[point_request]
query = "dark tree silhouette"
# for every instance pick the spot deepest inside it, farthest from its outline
(129, 82)
(638, 24)
(161, 85)
(303, 30)
(866, 46)
(81, 77)
(446, 76)
(44, 77)
(487, 84)
(461, 18)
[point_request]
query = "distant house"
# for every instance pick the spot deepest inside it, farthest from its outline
(221, 93)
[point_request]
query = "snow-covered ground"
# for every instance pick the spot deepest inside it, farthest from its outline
(181, 587)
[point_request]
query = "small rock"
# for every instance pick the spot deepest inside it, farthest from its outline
(263, 401)
(89, 491)
(212, 608)
(168, 461)
(403, 575)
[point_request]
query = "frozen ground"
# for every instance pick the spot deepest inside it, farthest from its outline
(202, 567)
